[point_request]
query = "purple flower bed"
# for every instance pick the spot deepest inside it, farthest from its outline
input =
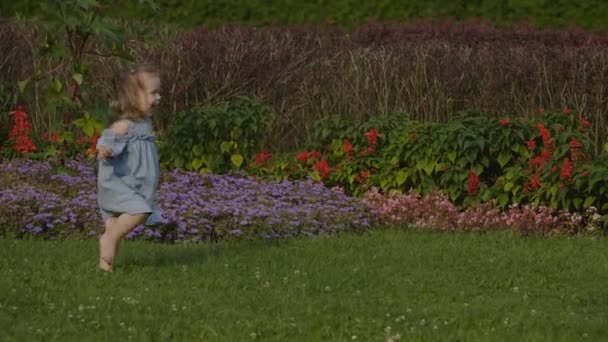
(36, 201)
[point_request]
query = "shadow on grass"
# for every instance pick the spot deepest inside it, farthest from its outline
(167, 256)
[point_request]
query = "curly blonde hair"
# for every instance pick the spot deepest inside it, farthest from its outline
(127, 86)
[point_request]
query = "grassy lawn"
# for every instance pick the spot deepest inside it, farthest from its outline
(416, 285)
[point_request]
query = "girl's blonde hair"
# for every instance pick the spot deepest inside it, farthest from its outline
(127, 86)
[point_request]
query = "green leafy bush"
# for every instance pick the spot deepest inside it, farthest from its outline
(589, 14)
(216, 138)
(472, 159)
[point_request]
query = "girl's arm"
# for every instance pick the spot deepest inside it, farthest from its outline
(113, 140)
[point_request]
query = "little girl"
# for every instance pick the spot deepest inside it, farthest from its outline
(128, 167)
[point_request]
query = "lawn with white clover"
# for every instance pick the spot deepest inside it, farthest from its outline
(390, 284)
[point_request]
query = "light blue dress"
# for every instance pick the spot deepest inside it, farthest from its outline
(128, 181)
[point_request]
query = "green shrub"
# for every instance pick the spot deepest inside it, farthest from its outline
(472, 159)
(589, 14)
(216, 138)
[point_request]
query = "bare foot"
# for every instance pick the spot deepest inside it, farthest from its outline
(106, 257)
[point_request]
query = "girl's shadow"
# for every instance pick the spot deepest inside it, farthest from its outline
(171, 255)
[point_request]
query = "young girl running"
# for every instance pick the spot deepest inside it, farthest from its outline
(128, 167)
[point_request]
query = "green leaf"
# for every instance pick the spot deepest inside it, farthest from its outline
(79, 122)
(478, 169)
(485, 161)
(315, 176)
(429, 167)
(86, 4)
(553, 190)
(226, 146)
(503, 159)
(151, 4)
(452, 156)
(606, 147)
(401, 177)
(23, 84)
(57, 85)
(578, 202)
(197, 151)
(89, 130)
(237, 160)
(197, 163)
(589, 201)
(78, 78)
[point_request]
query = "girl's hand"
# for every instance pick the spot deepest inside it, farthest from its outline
(104, 152)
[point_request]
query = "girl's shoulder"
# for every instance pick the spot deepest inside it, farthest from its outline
(127, 128)
(121, 127)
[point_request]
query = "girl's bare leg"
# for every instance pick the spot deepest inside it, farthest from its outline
(107, 249)
(116, 229)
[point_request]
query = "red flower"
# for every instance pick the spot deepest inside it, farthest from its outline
(531, 144)
(505, 122)
(53, 137)
(20, 133)
(554, 168)
(473, 184)
(585, 173)
(541, 109)
(533, 183)
(262, 158)
(538, 162)
(577, 154)
(574, 144)
(82, 140)
(566, 172)
(93, 149)
(323, 168)
(304, 156)
(364, 173)
(372, 136)
(347, 147)
(546, 154)
(567, 111)
(544, 133)
(412, 136)
(314, 154)
(585, 123)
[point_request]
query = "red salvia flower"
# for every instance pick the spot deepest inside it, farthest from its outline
(20, 132)
(372, 136)
(473, 183)
(262, 158)
(323, 168)
(347, 147)
(574, 144)
(566, 172)
(585, 123)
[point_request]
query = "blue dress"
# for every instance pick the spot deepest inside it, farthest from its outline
(127, 182)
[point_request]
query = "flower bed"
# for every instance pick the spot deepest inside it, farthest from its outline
(34, 201)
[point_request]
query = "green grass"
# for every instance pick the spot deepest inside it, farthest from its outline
(424, 286)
